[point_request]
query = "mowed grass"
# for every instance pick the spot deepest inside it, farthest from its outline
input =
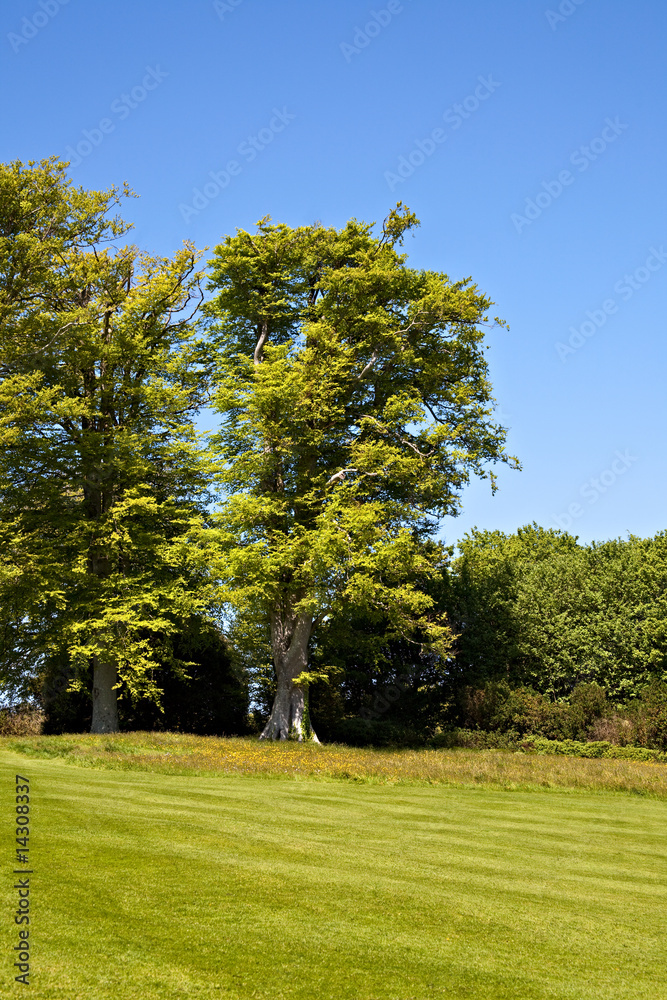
(155, 885)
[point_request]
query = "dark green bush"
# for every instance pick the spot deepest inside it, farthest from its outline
(358, 732)
(649, 716)
(499, 708)
(476, 739)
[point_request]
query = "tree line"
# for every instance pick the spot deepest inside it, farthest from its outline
(283, 573)
(551, 637)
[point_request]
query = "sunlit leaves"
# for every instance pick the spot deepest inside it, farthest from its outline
(355, 405)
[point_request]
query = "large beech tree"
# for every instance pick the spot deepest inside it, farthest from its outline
(355, 406)
(99, 468)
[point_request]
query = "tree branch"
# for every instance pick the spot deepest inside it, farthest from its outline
(259, 349)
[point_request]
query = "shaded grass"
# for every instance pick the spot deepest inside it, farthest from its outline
(153, 885)
(176, 753)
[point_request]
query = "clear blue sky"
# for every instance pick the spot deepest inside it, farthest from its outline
(546, 184)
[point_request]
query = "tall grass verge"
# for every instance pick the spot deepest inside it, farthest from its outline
(176, 753)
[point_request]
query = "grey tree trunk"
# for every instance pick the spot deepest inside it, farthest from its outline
(289, 714)
(105, 701)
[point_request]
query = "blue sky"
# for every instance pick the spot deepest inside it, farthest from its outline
(528, 136)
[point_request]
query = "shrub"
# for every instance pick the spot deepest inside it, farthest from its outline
(475, 739)
(616, 729)
(649, 716)
(499, 708)
(601, 748)
(358, 732)
(21, 721)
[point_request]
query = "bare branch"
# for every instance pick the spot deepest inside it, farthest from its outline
(368, 367)
(416, 449)
(338, 477)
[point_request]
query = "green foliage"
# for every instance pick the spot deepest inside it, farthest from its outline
(649, 716)
(360, 732)
(202, 689)
(485, 584)
(592, 748)
(515, 713)
(478, 739)
(101, 482)
(498, 707)
(356, 406)
(379, 676)
(537, 609)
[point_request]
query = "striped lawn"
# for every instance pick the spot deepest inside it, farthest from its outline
(158, 886)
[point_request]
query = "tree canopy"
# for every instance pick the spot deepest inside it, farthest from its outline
(355, 406)
(539, 609)
(100, 477)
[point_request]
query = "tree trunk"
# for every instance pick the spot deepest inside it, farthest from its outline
(105, 701)
(289, 715)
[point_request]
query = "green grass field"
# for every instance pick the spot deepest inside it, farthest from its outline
(229, 885)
